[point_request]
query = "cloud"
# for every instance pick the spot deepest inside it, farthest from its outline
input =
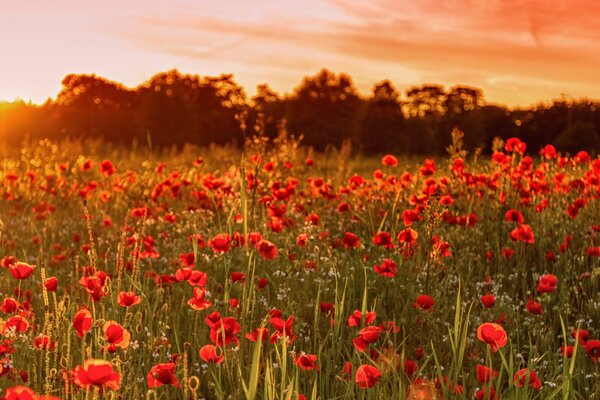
(543, 47)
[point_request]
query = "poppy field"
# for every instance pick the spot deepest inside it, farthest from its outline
(279, 273)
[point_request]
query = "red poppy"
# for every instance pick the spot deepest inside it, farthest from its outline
(25, 393)
(516, 145)
(107, 168)
(520, 379)
(388, 268)
(116, 336)
(485, 373)
(367, 376)
(355, 319)
(523, 233)
(351, 241)
(534, 307)
(307, 362)
(283, 329)
(198, 302)
(44, 342)
(383, 239)
(389, 160)
(267, 250)
(488, 300)
(257, 334)
(547, 283)
(492, 334)
(221, 243)
(582, 335)
(82, 322)
(162, 374)
(51, 284)
(514, 216)
(99, 373)
(592, 348)
(424, 302)
(21, 270)
(224, 332)
(9, 305)
(128, 299)
(366, 336)
(209, 354)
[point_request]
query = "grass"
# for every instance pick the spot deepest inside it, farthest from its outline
(149, 227)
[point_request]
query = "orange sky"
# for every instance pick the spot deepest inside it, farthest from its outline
(518, 51)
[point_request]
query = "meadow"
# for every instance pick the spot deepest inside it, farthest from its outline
(280, 273)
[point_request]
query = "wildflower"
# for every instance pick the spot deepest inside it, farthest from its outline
(82, 322)
(209, 354)
(162, 374)
(493, 335)
(520, 379)
(367, 376)
(99, 373)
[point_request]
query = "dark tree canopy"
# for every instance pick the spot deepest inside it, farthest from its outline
(172, 108)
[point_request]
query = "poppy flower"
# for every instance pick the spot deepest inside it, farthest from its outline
(99, 373)
(366, 336)
(389, 161)
(128, 299)
(116, 336)
(383, 239)
(485, 373)
(283, 329)
(567, 351)
(220, 244)
(534, 307)
(351, 241)
(307, 362)
(488, 300)
(44, 342)
(547, 283)
(25, 393)
(367, 376)
(21, 270)
(522, 233)
(198, 302)
(516, 145)
(486, 394)
(592, 348)
(51, 284)
(82, 322)
(410, 216)
(209, 354)
(107, 168)
(257, 334)
(424, 302)
(514, 216)
(520, 379)
(267, 250)
(355, 318)
(9, 305)
(162, 374)
(408, 236)
(16, 323)
(388, 268)
(224, 332)
(582, 335)
(493, 335)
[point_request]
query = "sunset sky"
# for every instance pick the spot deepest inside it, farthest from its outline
(518, 51)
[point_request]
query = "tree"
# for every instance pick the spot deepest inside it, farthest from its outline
(383, 121)
(326, 109)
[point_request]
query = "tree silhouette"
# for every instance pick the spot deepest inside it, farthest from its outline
(326, 109)
(383, 116)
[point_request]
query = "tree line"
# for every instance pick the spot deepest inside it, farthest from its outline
(173, 108)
